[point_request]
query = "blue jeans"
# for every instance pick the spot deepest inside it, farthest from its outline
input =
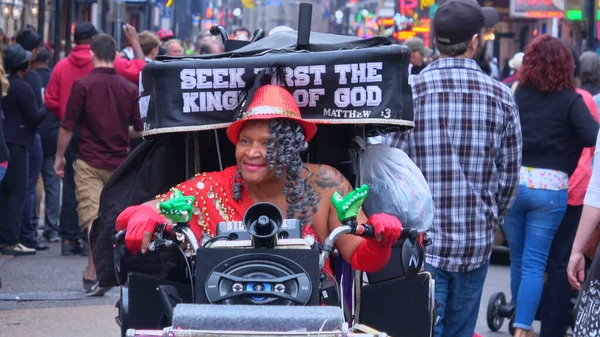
(52, 190)
(529, 227)
(459, 297)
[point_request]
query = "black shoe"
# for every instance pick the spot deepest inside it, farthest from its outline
(92, 288)
(70, 248)
(35, 245)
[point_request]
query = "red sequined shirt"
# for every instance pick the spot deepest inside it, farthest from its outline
(214, 201)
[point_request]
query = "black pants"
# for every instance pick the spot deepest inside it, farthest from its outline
(29, 221)
(556, 299)
(69, 220)
(12, 194)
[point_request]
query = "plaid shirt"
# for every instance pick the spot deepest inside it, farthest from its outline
(467, 142)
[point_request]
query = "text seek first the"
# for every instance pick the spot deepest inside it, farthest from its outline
(199, 94)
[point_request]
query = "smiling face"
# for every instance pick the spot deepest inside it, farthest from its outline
(251, 152)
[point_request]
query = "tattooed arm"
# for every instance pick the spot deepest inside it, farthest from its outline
(328, 180)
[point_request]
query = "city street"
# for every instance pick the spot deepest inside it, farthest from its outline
(41, 296)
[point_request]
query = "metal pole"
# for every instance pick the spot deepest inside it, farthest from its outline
(103, 11)
(57, 25)
(42, 19)
(149, 15)
(69, 21)
(119, 23)
(591, 28)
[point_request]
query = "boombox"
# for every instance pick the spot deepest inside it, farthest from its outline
(262, 260)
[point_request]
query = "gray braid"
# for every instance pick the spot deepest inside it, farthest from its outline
(283, 152)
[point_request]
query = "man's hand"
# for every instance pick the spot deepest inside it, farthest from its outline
(130, 34)
(132, 40)
(59, 166)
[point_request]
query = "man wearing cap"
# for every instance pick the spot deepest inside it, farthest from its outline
(164, 35)
(418, 54)
(31, 41)
(102, 105)
(467, 143)
(65, 73)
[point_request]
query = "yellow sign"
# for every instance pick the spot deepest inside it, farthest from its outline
(248, 3)
(170, 3)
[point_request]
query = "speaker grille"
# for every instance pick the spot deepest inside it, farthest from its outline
(258, 279)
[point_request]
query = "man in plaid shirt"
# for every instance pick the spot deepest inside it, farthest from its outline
(467, 143)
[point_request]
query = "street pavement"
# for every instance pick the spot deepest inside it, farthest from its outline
(41, 296)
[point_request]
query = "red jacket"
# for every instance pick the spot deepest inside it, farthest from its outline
(65, 73)
(75, 66)
(579, 181)
(130, 69)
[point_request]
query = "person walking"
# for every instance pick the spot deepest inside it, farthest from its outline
(48, 131)
(556, 126)
(467, 142)
(31, 41)
(77, 65)
(22, 116)
(102, 105)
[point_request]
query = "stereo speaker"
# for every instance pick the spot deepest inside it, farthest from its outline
(257, 276)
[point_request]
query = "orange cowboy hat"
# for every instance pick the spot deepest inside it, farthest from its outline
(271, 102)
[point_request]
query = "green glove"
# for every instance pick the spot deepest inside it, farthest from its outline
(349, 206)
(179, 208)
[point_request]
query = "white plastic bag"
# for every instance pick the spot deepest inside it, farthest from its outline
(396, 187)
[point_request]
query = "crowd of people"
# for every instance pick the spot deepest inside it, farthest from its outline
(52, 135)
(512, 156)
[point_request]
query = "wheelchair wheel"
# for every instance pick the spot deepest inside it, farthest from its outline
(122, 319)
(511, 325)
(494, 319)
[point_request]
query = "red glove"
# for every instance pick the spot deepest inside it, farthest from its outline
(372, 255)
(138, 220)
(387, 228)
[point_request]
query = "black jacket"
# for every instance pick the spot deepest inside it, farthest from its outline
(3, 150)
(21, 112)
(35, 82)
(50, 126)
(556, 127)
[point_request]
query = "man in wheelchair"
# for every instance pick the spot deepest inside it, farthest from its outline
(269, 135)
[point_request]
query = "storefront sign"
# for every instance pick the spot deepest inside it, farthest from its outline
(537, 8)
